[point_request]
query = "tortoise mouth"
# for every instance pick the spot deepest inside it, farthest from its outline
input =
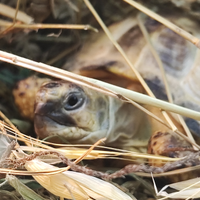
(46, 126)
(53, 120)
(59, 118)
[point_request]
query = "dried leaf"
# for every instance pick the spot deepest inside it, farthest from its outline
(75, 185)
(187, 189)
(25, 192)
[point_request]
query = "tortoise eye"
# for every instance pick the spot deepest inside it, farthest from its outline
(74, 101)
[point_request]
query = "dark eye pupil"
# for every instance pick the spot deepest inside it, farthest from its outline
(73, 100)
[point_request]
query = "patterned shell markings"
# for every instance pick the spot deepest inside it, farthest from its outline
(180, 58)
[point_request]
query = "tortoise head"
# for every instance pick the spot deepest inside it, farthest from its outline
(68, 110)
(83, 115)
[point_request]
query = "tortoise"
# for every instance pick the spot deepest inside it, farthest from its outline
(84, 116)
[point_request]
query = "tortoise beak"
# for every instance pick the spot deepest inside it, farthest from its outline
(40, 125)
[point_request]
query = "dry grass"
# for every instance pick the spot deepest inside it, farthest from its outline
(84, 152)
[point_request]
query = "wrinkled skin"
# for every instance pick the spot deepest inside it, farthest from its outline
(82, 115)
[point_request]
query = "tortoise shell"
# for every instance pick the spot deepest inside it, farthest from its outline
(180, 59)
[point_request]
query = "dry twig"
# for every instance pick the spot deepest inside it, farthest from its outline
(194, 40)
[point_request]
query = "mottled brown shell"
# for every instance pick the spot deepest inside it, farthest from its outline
(167, 144)
(180, 59)
(25, 94)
